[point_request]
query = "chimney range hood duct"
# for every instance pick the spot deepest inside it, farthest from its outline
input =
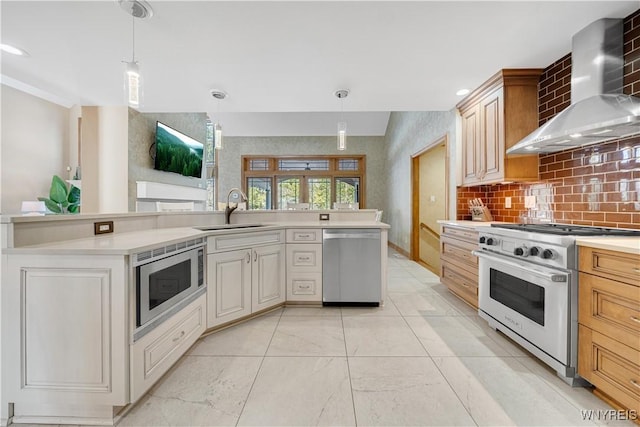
(599, 111)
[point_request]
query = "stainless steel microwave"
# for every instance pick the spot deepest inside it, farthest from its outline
(167, 279)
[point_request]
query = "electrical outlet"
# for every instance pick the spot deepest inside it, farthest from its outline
(529, 202)
(103, 227)
(324, 217)
(507, 202)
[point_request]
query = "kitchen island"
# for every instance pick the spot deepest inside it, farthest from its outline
(72, 347)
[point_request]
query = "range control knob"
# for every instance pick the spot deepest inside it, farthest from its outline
(548, 254)
(535, 251)
(482, 239)
(520, 251)
(491, 241)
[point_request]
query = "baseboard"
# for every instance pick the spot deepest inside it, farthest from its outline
(399, 250)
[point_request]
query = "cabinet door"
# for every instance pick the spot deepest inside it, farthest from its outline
(268, 279)
(470, 146)
(229, 286)
(64, 331)
(491, 151)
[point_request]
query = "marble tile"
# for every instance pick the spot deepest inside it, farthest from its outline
(308, 336)
(311, 311)
(405, 284)
(451, 336)
(512, 347)
(580, 397)
(380, 336)
(422, 304)
(250, 338)
(398, 273)
(403, 391)
(388, 309)
(461, 306)
(199, 391)
(300, 391)
(501, 391)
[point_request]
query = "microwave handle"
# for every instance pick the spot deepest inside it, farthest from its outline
(548, 276)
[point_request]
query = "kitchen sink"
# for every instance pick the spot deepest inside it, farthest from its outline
(227, 226)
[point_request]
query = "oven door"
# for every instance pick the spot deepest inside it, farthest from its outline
(530, 300)
(165, 282)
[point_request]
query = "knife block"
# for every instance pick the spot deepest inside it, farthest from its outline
(480, 213)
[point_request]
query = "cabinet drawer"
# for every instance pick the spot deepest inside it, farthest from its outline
(459, 250)
(465, 287)
(304, 235)
(614, 265)
(229, 242)
(611, 366)
(460, 233)
(304, 287)
(156, 352)
(611, 308)
(304, 257)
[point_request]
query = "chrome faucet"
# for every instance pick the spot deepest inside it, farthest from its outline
(228, 210)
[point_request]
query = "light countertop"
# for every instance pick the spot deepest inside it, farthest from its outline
(467, 224)
(629, 245)
(138, 241)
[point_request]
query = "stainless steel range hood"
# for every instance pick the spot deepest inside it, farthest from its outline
(599, 111)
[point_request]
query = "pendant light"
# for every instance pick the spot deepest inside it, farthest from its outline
(342, 125)
(138, 9)
(217, 128)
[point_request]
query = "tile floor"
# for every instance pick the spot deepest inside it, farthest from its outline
(426, 358)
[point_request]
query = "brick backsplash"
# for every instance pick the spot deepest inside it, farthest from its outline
(595, 185)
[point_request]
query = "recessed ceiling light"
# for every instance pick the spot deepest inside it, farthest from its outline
(13, 50)
(575, 135)
(462, 92)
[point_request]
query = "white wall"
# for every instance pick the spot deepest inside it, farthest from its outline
(34, 143)
(408, 133)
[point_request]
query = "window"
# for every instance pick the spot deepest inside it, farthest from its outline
(314, 181)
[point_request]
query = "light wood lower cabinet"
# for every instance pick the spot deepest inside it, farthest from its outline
(609, 324)
(459, 267)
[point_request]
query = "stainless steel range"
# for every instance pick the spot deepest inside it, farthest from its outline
(528, 287)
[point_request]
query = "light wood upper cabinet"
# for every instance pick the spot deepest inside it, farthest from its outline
(495, 117)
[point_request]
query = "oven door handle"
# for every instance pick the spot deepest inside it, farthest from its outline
(549, 276)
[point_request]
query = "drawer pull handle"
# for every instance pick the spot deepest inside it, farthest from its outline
(303, 258)
(635, 383)
(634, 318)
(179, 336)
(303, 236)
(305, 286)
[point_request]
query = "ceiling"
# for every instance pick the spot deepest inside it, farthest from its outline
(288, 56)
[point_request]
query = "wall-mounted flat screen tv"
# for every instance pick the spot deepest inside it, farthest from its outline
(177, 152)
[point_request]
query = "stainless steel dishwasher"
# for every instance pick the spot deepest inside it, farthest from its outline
(351, 266)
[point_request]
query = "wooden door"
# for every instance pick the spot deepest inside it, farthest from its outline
(229, 282)
(430, 178)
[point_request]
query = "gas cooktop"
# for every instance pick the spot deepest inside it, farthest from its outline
(569, 229)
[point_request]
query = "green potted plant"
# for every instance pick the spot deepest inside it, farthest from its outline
(62, 198)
